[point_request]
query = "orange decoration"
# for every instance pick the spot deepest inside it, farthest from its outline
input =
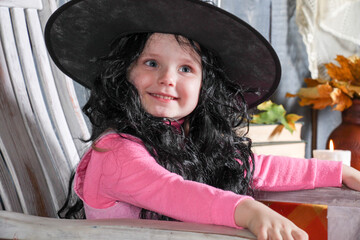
(338, 92)
(312, 218)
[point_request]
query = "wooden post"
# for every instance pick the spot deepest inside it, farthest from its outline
(314, 117)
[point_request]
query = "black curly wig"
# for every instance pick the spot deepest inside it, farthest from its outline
(206, 146)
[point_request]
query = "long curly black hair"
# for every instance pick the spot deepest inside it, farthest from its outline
(206, 146)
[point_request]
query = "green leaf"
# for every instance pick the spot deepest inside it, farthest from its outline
(271, 113)
(286, 124)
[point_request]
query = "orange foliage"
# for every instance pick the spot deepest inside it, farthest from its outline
(348, 71)
(338, 92)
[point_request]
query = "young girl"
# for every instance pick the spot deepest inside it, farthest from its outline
(165, 99)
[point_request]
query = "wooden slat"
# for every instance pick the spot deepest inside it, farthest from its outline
(39, 108)
(37, 4)
(73, 112)
(20, 226)
(48, 152)
(49, 6)
(67, 93)
(8, 195)
(53, 102)
(20, 132)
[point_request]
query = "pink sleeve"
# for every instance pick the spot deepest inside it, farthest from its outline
(278, 173)
(130, 174)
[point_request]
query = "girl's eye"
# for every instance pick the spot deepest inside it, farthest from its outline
(151, 63)
(185, 69)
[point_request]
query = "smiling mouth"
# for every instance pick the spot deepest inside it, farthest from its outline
(162, 96)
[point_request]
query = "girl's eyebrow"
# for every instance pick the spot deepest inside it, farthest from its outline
(149, 54)
(191, 60)
(187, 59)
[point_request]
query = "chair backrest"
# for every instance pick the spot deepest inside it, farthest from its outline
(41, 123)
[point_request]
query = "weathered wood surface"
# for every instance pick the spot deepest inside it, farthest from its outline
(51, 96)
(21, 226)
(343, 197)
(25, 128)
(20, 155)
(38, 143)
(9, 197)
(32, 72)
(70, 93)
(343, 223)
(37, 4)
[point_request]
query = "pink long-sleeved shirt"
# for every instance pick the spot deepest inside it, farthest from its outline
(118, 182)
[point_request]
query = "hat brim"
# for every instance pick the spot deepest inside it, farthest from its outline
(80, 31)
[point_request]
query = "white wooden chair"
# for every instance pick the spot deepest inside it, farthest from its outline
(40, 124)
(40, 127)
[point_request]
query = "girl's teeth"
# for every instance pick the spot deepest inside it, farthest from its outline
(164, 97)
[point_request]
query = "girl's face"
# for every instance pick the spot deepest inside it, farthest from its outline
(167, 76)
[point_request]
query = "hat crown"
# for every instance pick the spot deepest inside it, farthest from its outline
(82, 30)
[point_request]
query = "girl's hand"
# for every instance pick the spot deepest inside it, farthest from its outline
(266, 223)
(351, 177)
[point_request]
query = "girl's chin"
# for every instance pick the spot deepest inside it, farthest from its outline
(169, 113)
(168, 116)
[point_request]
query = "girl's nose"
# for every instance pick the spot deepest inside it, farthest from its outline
(167, 77)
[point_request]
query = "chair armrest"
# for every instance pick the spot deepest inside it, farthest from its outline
(21, 226)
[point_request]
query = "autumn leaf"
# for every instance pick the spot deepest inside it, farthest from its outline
(348, 71)
(314, 82)
(289, 121)
(291, 117)
(316, 103)
(272, 113)
(320, 91)
(318, 96)
(265, 106)
(340, 100)
(355, 69)
(354, 89)
(276, 131)
(341, 73)
(344, 85)
(289, 95)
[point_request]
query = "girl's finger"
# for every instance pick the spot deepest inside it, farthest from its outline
(262, 236)
(286, 234)
(275, 234)
(300, 235)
